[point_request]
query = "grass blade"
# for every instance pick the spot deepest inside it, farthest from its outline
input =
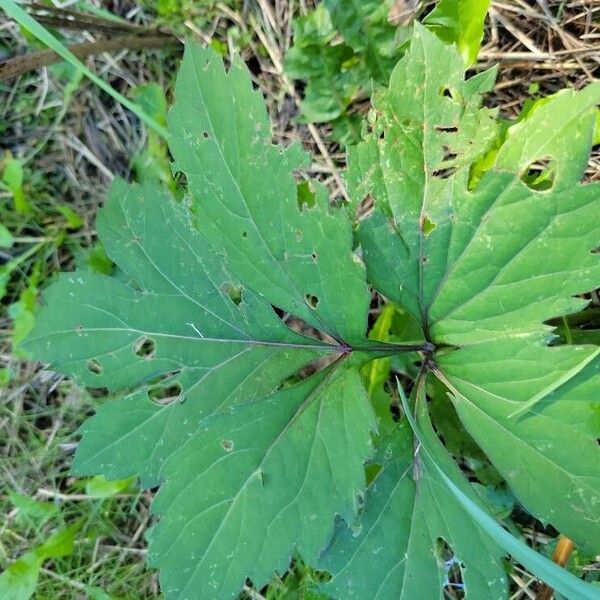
(556, 577)
(13, 10)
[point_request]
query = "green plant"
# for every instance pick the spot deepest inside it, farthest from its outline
(342, 50)
(254, 456)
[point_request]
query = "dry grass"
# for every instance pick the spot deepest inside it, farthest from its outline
(552, 44)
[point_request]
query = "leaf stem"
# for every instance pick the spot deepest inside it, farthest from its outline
(426, 347)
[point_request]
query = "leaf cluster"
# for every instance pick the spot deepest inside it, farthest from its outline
(258, 432)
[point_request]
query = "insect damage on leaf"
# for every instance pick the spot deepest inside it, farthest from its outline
(188, 325)
(257, 462)
(502, 259)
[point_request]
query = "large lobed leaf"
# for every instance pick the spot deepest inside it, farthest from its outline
(484, 268)
(397, 548)
(238, 459)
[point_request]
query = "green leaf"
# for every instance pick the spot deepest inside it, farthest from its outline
(116, 333)
(6, 375)
(74, 221)
(300, 259)
(460, 22)
(338, 72)
(100, 487)
(12, 176)
(23, 311)
(188, 325)
(152, 163)
(6, 237)
(412, 535)
(549, 456)
(278, 454)
(31, 510)
(365, 28)
(330, 69)
(19, 580)
(559, 579)
(483, 269)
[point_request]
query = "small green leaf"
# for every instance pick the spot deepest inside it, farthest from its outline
(30, 509)
(6, 238)
(365, 28)
(74, 221)
(460, 22)
(332, 73)
(6, 375)
(12, 176)
(100, 487)
(23, 312)
(96, 593)
(19, 580)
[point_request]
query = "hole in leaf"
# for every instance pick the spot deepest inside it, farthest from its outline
(305, 195)
(427, 226)
(444, 173)
(79, 329)
(279, 312)
(144, 347)
(446, 129)
(382, 135)
(395, 409)
(540, 174)
(244, 234)
(300, 326)
(448, 154)
(165, 394)
(234, 292)
(451, 93)
(205, 135)
(453, 580)
(180, 179)
(97, 393)
(227, 445)
(314, 256)
(93, 366)
(311, 300)
(365, 208)
(371, 471)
